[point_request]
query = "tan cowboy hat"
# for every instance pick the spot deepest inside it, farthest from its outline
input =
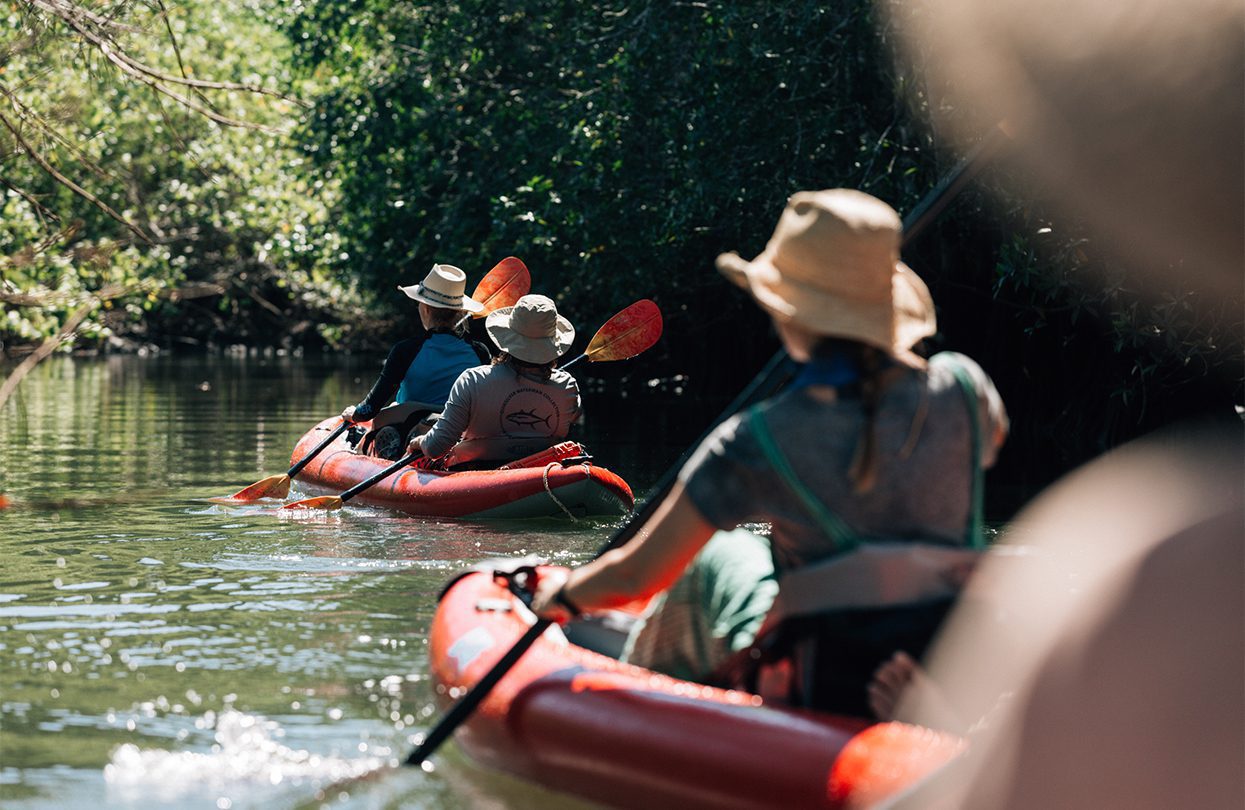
(531, 330)
(832, 267)
(444, 287)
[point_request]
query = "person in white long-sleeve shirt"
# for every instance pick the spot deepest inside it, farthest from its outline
(519, 405)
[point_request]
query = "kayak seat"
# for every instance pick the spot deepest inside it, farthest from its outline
(834, 654)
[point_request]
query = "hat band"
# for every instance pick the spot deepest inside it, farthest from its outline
(456, 300)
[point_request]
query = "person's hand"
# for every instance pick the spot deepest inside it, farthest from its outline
(549, 601)
(415, 445)
(425, 463)
(348, 414)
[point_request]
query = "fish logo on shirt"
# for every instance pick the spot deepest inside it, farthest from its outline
(528, 413)
(527, 419)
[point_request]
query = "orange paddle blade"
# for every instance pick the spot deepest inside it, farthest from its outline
(626, 334)
(4, 501)
(502, 286)
(274, 486)
(326, 502)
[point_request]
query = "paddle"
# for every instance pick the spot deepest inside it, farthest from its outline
(631, 331)
(332, 502)
(278, 486)
(776, 372)
(625, 335)
(506, 283)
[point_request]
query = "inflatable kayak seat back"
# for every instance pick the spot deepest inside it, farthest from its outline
(833, 655)
(559, 453)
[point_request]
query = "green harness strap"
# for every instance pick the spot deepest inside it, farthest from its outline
(976, 537)
(839, 532)
(843, 537)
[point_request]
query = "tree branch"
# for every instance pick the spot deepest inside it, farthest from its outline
(48, 346)
(70, 184)
(112, 51)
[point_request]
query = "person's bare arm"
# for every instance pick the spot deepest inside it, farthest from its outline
(650, 563)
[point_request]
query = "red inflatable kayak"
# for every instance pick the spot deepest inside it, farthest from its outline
(550, 490)
(583, 723)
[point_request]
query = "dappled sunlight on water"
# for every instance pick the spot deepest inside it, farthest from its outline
(246, 760)
(159, 650)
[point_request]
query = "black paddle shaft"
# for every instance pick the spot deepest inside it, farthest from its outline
(380, 476)
(462, 709)
(297, 468)
(772, 377)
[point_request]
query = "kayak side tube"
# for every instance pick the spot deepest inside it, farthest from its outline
(580, 722)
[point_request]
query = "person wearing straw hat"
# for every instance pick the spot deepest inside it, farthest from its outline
(418, 373)
(871, 444)
(519, 405)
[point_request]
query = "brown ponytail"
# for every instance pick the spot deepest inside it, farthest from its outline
(539, 370)
(864, 470)
(448, 319)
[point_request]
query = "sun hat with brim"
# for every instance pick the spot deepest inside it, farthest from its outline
(832, 267)
(444, 287)
(531, 330)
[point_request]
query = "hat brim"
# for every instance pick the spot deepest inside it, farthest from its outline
(419, 292)
(530, 350)
(894, 327)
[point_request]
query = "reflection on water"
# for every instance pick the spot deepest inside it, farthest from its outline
(157, 650)
(247, 762)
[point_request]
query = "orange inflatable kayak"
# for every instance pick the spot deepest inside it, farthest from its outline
(548, 490)
(583, 723)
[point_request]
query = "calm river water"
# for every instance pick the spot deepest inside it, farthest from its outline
(160, 651)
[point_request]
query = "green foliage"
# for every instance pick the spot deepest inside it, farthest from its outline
(239, 235)
(1161, 338)
(615, 147)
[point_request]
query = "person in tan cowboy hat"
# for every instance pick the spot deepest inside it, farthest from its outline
(419, 371)
(871, 442)
(519, 405)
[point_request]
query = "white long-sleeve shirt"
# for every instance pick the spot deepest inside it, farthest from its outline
(497, 413)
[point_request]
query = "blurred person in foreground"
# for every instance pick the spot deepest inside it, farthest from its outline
(1111, 664)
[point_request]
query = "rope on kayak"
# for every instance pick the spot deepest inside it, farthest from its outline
(549, 490)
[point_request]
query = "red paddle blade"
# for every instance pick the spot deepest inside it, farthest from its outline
(274, 486)
(502, 286)
(626, 334)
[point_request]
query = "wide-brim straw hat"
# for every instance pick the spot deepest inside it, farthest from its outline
(832, 266)
(444, 287)
(531, 330)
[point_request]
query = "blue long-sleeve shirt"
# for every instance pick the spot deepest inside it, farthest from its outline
(421, 369)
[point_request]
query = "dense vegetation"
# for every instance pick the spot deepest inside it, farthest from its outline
(616, 147)
(195, 208)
